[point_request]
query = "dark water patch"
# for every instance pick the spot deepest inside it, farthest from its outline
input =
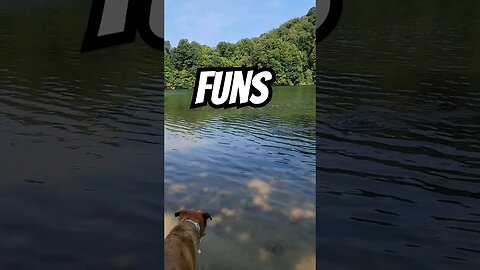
(397, 130)
(80, 144)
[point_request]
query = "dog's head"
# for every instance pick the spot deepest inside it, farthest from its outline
(199, 217)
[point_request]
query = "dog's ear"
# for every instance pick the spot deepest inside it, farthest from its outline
(179, 213)
(206, 216)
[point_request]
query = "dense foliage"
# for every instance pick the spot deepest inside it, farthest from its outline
(289, 50)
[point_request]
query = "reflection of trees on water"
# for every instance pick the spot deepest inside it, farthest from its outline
(43, 71)
(290, 106)
(45, 81)
(398, 88)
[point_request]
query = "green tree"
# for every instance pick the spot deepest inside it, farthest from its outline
(289, 50)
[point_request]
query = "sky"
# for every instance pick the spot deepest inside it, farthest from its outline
(211, 21)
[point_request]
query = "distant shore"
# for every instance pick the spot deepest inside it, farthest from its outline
(289, 50)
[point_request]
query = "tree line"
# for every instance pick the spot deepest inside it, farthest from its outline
(289, 50)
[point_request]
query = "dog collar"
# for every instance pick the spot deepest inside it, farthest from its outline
(195, 224)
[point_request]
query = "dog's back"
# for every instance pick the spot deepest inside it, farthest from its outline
(181, 244)
(179, 250)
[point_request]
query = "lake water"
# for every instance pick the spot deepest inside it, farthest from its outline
(253, 170)
(398, 118)
(81, 156)
(81, 145)
(397, 137)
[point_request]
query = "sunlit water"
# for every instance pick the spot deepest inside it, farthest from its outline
(81, 145)
(398, 120)
(253, 170)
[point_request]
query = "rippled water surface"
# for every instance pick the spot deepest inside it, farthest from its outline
(80, 145)
(398, 118)
(253, 170)
(397, 135)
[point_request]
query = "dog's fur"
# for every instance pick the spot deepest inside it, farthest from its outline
(181, 244)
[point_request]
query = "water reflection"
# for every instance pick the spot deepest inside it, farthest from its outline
(80, 144)
(397, 122)
(254, 171)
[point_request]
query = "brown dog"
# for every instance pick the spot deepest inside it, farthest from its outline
(181, 244)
